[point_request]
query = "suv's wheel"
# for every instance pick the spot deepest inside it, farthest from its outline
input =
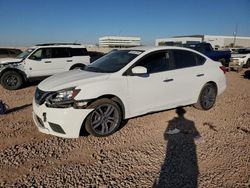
(11, 80)
(223, 61)
(74, 67)
(247, 65)
(105, 119)
(207, 97)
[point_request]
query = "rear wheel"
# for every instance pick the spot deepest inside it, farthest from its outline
(105, 119)
(207, 97)
(11, 80)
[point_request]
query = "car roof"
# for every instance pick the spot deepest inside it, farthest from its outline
(55, 45)
(155, 48)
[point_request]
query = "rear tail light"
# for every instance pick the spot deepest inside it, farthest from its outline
(224, 69)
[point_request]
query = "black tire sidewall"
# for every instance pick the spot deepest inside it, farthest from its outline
(94, 105)
(75, 67)
(11, 73)
(248, 63)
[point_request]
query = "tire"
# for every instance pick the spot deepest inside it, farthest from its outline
(247, 65)
(105, 119)
(223, 62)
(11, 80)
(75, 67)
(207, 97)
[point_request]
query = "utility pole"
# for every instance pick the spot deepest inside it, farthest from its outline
(235, 34)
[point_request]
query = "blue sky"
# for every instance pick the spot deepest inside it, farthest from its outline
(27, 22)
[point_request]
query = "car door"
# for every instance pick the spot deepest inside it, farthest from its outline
(153, 91)
(189, 76)
(46, 62)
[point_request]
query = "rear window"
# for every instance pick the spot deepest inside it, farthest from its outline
(60, 52)
(78, 52)
(183, 59)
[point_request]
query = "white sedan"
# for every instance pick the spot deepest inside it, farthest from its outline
(124, 84)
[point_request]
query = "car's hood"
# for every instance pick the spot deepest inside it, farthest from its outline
(70, 79)
(238, 55)
(9, 60)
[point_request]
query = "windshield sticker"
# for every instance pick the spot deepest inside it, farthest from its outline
(135, 52)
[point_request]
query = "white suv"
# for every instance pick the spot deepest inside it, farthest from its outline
(124, 84)
(41, 61)
(241, 57)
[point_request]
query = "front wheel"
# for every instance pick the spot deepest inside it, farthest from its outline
(223, 62)
(105, 119)
(11, 80)
(207, 97)
(247, 65)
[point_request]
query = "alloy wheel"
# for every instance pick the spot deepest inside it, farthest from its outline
(104, 119)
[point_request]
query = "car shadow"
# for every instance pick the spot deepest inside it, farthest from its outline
(15, 109)
(180, 166)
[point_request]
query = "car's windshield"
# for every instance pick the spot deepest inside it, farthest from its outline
(24, 54)
(243, 51)
(114, 61)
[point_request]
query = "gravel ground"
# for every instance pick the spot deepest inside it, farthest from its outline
(211, 150)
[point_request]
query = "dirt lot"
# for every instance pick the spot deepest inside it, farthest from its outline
(212, 149)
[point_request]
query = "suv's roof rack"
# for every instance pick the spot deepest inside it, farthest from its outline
(51, 44)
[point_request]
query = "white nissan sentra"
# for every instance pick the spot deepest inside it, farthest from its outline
(124, 84)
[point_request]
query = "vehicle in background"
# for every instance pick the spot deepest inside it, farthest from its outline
(207, 49)
(9, 53)
(123, 84)
(41, 61)
(241, 57)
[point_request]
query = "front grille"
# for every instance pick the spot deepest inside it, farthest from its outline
(40, 96)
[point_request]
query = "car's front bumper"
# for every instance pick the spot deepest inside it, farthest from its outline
(237, 61)
(62, 122)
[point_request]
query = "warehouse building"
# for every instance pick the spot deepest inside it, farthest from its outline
(215, 41)
(119, 41)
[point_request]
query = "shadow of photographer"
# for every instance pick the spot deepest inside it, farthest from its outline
(180, 167)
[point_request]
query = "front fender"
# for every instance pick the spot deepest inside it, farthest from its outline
(115, 87)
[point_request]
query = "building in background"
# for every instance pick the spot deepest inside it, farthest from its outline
(119, 41)
(215, 41)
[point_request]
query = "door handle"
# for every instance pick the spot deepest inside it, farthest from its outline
(47, 62)
(69, 60)
(168, 80)
(199, 75)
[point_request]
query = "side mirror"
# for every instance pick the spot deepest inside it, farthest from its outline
(35, 58)
(139, 70)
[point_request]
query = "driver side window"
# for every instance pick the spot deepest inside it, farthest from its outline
(156, 62)
(43, 53)
(36, 55)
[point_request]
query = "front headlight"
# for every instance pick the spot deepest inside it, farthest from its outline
(62, 97)
(65, 95)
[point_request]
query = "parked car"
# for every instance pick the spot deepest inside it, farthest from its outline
(41, 61)
(207, 49)
(241, 57)
(9, 52)
(124, 84)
